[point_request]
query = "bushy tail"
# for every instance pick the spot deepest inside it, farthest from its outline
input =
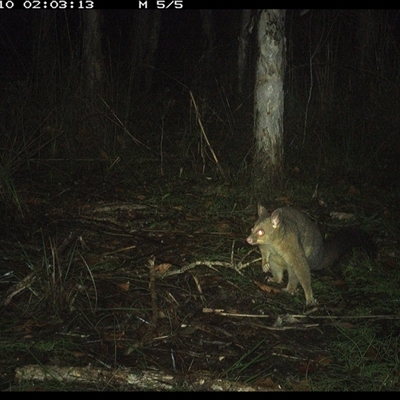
(343, 242)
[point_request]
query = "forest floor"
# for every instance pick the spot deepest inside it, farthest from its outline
(127, 283)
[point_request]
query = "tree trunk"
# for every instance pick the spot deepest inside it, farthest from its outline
(45, 49)
(365, 56)
(90, 139)
(365, 40)
(145, 43)
(268, 103)
(152, 47)
(92, 54)
(208, 29)
(245, 31)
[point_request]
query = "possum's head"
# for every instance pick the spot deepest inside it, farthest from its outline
(265, 226)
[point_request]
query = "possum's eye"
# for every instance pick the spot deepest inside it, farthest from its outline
(260, 232)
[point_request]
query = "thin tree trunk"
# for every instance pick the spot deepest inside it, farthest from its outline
(155, 23)
(245, 31)
(268, 103)
(92, 53)
(208, 28)
(365, 52)
(93, 84)
(144, 46)
(45, 49)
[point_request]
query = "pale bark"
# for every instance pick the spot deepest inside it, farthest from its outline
(269, 102)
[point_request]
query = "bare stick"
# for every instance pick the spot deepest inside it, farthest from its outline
(121, 125)
(205, 135)
(153, 293)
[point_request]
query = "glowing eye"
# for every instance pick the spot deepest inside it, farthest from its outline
(260, 232)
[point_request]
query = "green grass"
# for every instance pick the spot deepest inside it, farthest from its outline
(362, 361)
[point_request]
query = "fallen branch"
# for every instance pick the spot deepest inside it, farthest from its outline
(209, 264)
(296, 321)
(149, 380)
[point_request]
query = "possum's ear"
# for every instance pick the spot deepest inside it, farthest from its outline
(262, 211)
(276, 218)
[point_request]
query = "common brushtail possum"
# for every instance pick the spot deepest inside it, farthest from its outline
(289, 240)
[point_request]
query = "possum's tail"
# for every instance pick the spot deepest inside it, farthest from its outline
(343, 242)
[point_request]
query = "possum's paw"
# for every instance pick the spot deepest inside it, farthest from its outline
(291, 290)
(312, 302)
(275, 279)
(266, 267)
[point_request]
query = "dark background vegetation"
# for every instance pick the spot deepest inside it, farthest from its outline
(341, 88)
(63, 153)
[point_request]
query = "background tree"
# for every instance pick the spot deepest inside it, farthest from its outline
(246, 28)
(268, 102)
(144, 45)
(92, 54)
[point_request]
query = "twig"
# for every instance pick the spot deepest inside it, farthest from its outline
(196, 280)
(152, 288)
(294, 319)
(93, 281)
(205, 136)
(108, 253)
(226, 314)
(354, 316)
(209, 264)
(121, 125)
(19, 287)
